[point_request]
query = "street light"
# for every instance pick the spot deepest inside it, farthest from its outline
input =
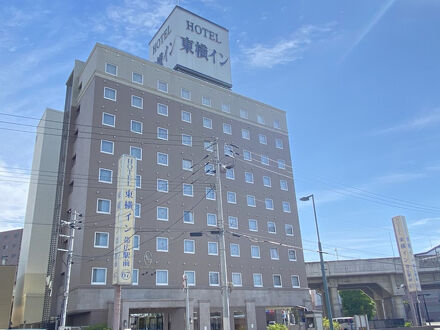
(324, 278)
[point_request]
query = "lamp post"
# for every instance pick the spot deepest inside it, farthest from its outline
(324, 278)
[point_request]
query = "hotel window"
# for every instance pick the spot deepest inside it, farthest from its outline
(274, 255)
(187, 140)
(161, 244)
(162, 133)
(206, 101)
(186, 116)
(188, 217)
(101, 240)
(208, 146)
(235, 249)
(185, 94)
(245, 134)
(262, 138)
(137, 78)
(247, 155)
(283, 185)
(162, 185)
(189, 246)
(277, 281)
(188, 190)
(137, 102)
(267, 182)
(137, 210)
(214, 279)
(110, 93)
(269, 203)
(258, 280)
(295, 281)
(161, 277)
(227, 128)
(209, 169)
(292, 255)
(276, 124)
(111, 69)
(244, 114)
(103, 206)
(281, 164)
(249, 177)
(210, 193)
(229, 150)
(136, 242)
(162, 86)
(231, 197)
(289, 229)
(255, 251)
(264, 160)
(135, 277)
(162, 213)
(260, 120)
(136, 126)
(138, 181)
(230, 174)
(253, 225)
(233, 222)
(213, 248)
(286, 207)
(250, 201)
(207, 122)
(108, 119)
(190, 277)
(271, 227)
(162, 159)
(162, 109)
(211, 219)
(105, 175)
(187, 165)
(226, 108)
(236, 279)
(99, 276)
(136, 152)
(279, 143)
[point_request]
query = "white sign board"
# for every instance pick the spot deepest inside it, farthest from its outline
(406, 254)
(124, 224)
(192, 44)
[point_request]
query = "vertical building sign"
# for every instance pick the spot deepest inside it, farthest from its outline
(406, 254)
(124, 224)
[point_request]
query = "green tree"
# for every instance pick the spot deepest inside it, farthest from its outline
(326, 324)
(357, 302)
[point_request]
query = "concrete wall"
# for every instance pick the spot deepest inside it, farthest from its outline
(7, 276)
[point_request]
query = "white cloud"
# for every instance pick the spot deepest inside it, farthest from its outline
(430, 118)
(424, 221)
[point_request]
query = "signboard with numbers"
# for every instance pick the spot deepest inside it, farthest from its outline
(192, 44)
(125, 223)
(406, 254)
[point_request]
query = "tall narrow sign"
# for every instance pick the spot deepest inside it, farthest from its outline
(124, 224)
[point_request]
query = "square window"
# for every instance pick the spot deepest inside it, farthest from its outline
(214, 279)
(101, 240)
(138, 181)
(189, 246)
(185, 94)
(250, 201)
(207, 122)
(258, 280)
(245, 134)
(255, 251)
(236, 279)
(210, 193)
(137, 102)
(253, 225)
(162, 133)
(235, 249)
(162, 158)
(227, 128)
(136, 152)
(249, 177)
(277, 281)
(110, 93)
(226, 108)
(161, 277)
(260, 120)
(162, 109)
(295, 281)
(269, 203)
(190, 277)
(162, 244)
(162, 213)
(188, 217)
(187, 165)
(188, 190)
(162, 185)
(208, 146)
(271, 227)
(111, 69)
(135, 277)
(229, 150)
(211, 219)
(276, 124)
(107, 147)
(286, 207)
(281, 164)
(279, 143)
(137, 210)
(105, 175)
(187, 140)
(231, 197)
(230, 174)
(233, 222)
(206, 101)
(103, 206)
(264, 160)
(247, 155)
(289, 229)
(292, 255)
(186, 116)
(137, 78)
(209, 169)
(162, 86)
(262, 138)
(213, 248)
(244, 114)
(108, 119)
(136, 126)
(136, 242)
(267, 182)
(274, 255)
(99, 276)
(283, 185)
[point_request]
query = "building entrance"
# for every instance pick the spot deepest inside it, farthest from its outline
(147, 321)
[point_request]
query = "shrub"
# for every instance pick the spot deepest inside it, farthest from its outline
(97, 327)
(277, 326)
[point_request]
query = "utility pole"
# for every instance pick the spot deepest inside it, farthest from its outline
(222, 250)
(74, 215)
(188, 316)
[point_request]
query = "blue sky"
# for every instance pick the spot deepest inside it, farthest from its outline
(359, 81)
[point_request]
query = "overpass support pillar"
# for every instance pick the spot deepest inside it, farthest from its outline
(380, 310)
(334, 300)
(399, 307)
